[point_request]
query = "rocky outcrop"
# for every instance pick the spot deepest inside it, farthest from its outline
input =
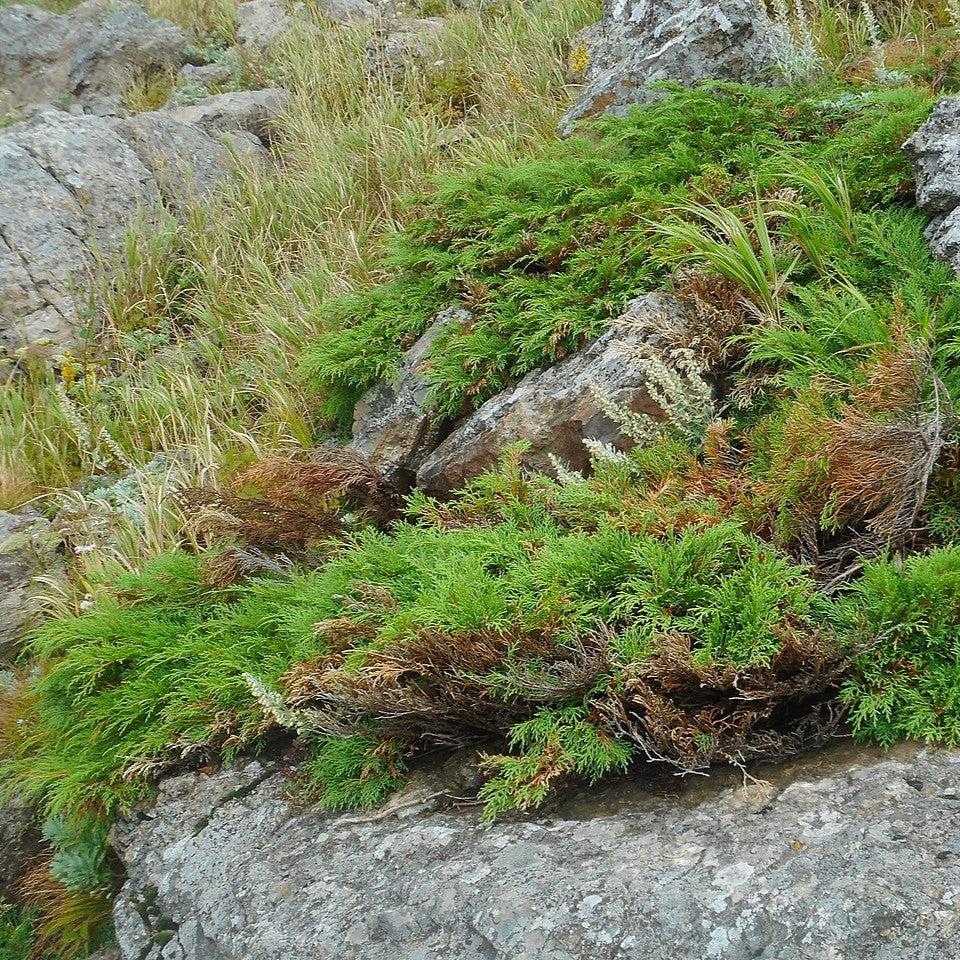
(848, 855)
(934, 151)
(554, 410)
(87, 57)
(393, 424)
(640, 43)
(247, 111)
(72, 184)
(27, 549)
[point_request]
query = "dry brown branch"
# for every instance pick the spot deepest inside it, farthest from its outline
(881, 455)
(693, 715)
(449, 688)
(283, 504)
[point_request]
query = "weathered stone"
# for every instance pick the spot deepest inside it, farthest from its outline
(89, 55)
(107, 953)
(850, 855)
(19, 844)
(934, 152)
(27, 549)
(554, 410)
(392, 423)
(186, 162)
(72, 184)
(401, 45)
(207, 74)
(248, 111)
(262, 23)
(640, 43)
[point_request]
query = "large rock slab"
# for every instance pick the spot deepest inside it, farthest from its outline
(554, 410)
(88, 56)
(71, 185)
(934, 152)
(640, 43)
(393, 423)
(851, 855)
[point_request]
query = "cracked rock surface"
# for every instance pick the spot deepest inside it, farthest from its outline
(71, 186)
(851, 855)
(86, 57)
(934, 152)
(640, 43)
(554, 410)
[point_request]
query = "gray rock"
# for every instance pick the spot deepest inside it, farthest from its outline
(250, 111)
(89, 55)
(262, 23)
(643, 42)
(934, 152)
(19, 844)
(208, 74)
(849, 855)
(107, 953)
(186, 162)
(555, 409)
(72, 184)
(401, 45)
(392, 423)
(27, 549)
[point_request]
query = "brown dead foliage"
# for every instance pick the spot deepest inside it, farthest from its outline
(693, 715)
(453, 689)
(881, 454)
(293, 504)
(718, 312)
(447, 688)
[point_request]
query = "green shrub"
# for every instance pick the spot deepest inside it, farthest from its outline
(16, 933)
(907, 680)
(547, 251)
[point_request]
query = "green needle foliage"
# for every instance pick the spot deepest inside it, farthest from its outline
(545, 252)
(907, 683)
(682, 602)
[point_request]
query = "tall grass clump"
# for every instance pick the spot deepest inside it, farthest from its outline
(195, 333)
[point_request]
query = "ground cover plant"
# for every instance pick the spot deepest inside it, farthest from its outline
(721, 593)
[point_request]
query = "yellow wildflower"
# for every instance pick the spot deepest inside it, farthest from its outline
(579, 59)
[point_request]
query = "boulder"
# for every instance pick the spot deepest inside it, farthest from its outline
(554, 410)
(850, 854)
(934, 152)
(88, 56)
(393, 424)
(262, 23)
(249, 111)
(640, 43)
(27, 549)
(401, 45)
(71, 185)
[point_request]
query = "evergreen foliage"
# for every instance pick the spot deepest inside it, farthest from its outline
(689, 602)
(547, 251)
